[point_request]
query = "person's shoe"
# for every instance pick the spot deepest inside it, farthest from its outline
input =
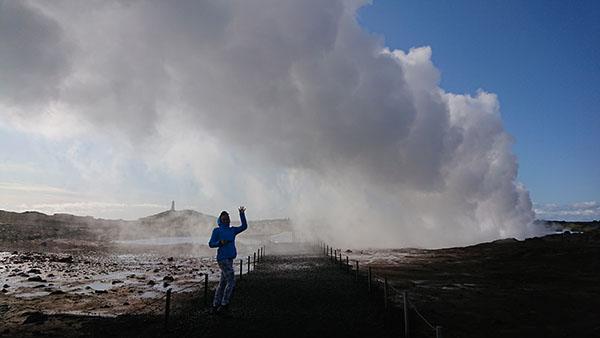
(213, 310)
(223, 310)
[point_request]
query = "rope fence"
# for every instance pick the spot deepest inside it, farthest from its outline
(335, 257)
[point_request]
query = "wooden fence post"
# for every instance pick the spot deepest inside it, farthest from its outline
(370, 275)
(347, 264)
(254, 261)
(405, 301)
(241, 268)
(248, 264)
(206, 289)
(167, 309)
(357, 270)
(385, 293)
(438, 332)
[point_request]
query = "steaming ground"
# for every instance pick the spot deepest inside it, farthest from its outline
(290, 107)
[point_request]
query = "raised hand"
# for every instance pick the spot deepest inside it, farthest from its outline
(242, 209)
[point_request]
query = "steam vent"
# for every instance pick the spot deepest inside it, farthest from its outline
(172, 205)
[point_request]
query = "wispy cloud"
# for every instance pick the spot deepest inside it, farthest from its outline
(12, 186)
(18, 167)
(580, 211)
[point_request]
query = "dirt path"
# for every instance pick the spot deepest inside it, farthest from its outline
(294, 295)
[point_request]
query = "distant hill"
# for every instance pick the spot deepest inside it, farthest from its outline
(571, 225)
(30, 225)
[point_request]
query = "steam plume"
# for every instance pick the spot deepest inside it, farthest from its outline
(289, 106)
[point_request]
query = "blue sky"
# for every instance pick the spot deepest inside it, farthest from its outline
(542, 58)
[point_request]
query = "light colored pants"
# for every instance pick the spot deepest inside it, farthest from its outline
(226, 283)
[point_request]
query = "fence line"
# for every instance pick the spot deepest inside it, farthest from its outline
(335, 256)
(167, 297)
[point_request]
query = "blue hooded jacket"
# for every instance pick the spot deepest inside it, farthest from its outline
(227, 233)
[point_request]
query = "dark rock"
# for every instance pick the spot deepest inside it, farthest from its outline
(131, 276)
(168, 278)
(126, 303)
(348, 251)
(170, 259)
(57, 292)
(36, 279)
(166, 284)
(156, 270)
(35, 271)
(39, 286)
(100, 291)
(151, 282)
(4, 291)
(23, 274)
(117, 282)
(5, 286)
(68, 259)
(50, 275)
(35, 317)
(88, 287)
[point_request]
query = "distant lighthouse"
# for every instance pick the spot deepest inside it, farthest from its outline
(172, 205)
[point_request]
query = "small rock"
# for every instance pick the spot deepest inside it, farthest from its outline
(100, 291)
(131, 276)
(35, 271)
(39, 286)
(156, 270)
(4, 291)
(151, 282)
(117, 282)
(88, 287)
(165, 284)
(23, 274)
(36, 279)
(57, 292)
(68, 259)
(348, 251)
(5, 286)
(15, 252)
(35, 317)
(50, 275)
(126, 303)
(168, 278)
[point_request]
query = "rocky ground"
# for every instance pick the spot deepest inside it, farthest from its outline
(542, 287)
(66, 279)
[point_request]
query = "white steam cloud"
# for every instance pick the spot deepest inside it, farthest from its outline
(288, 106)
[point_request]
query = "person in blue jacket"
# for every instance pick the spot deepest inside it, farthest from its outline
(223, 238)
